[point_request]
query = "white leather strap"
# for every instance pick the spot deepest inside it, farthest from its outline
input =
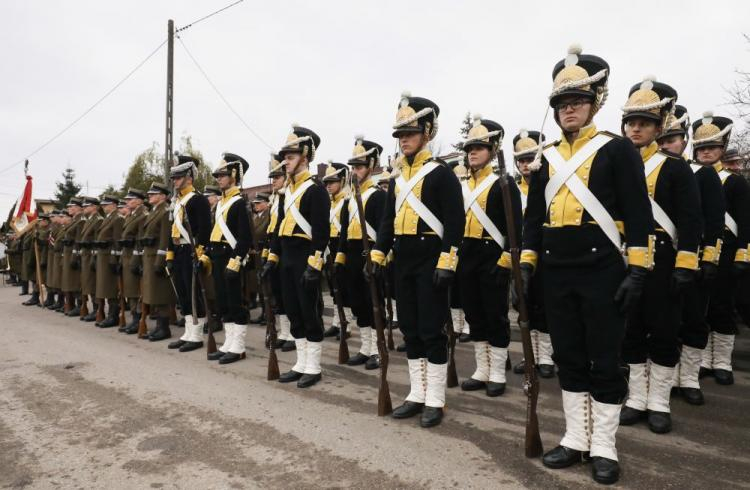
(354, 212)
(524, 199)
(470, 197)
(219, 216)
(177, 214)
(729, 221)
(582, 192)
(565, 169)
(660, 216)
(333, 215)
(404, 194)
(290, 205)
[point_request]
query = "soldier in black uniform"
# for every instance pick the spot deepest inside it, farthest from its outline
(694, 329)
(230, 242)
(191, 217)
(588, 189)
(365, 157)
(298, 248)
(651, 348)
(710, 139)
(484, 262)
(335, 179)
(423, 223)
(525, 148)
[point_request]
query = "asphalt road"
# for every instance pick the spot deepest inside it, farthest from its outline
(82, 407)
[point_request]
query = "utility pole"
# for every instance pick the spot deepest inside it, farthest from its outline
(170, 101)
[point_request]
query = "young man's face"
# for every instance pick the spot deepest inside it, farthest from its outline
(479, 156)
(225, 182)
(641, 131)
(708, 155)
(154, 199)
(277, 182)
(295, 163)
(124, 211)
(108, 208)
(261, 206)
(573, 112)
(74, 210)
(89, 210)
(361, 172)
(411, 143)
(179, 182)
(523, 165)
(674, 144)
(213, 199)
(333, 187)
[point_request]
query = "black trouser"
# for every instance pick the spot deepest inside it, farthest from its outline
(484, 302)
(359, 290)
(304, 307)
(652, 328)
(183, 281)
(586, 327)
(742, 299)
(535, 301)
(720, 315)
(228, 289)
(422, 310)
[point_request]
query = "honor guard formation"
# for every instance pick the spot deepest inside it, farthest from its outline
(622, 252)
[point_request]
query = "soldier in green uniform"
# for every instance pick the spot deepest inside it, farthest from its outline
(158, 293)
(88, 262)
(71, 263)
(57, 247)
(28, 265)
(107, 261)
(130, 259)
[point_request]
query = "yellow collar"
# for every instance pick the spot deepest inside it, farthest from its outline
(584, 136)
(649, 151)
(297, 180)
(337, 197)
(718, 166)
(477, 177)
(363, 186)
(230, 193)
(187, 190)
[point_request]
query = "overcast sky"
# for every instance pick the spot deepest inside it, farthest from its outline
(337, 67)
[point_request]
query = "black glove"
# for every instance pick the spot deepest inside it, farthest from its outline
(442, 278)
(135, 268)
(339, 269)
(75, 262)
(740, 269)
(231, 273)
(92, 266)
(708, 272)
(268, 267)
(527, 270)
(311, 278)
(170, 267)
(630, 290)
(681, 280)
(500, 274)
(116, 268)
(159, 268)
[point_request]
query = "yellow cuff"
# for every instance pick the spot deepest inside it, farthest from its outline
(340, 258)
(272, 257)
(200, 250)
(504, 260)
(389, 257)
(170, 255)
(687, 260)
(712, 254)
(378, 257)
(234, 264)
(448, 260)
(264, 253)
(316, 261)
(643, 256)
(529, 257)
(742, 255)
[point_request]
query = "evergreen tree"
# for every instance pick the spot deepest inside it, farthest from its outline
(68, 188)
(465, 128)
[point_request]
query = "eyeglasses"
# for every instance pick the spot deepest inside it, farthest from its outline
(575, 105)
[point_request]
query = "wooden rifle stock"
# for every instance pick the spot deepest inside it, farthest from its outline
(339, 300)
(388, 310)
(142, 327)
(271, 332)
(198, 282)
(533, 442)
(384, 395)
(39, 282)
(452, 378)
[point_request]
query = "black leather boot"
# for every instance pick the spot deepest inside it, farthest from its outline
(605, 471)
(259, 319)
(373, 362)
(34, 300)
(431, 416)
(231, 357)
(703, 372)
(215, 356)
(279, 344)
(74, 311)
(176, 344)
(724, 377)
(562, 457)
(463, 338)
(472, 384)
(113, 316)
(134, 319)
(630, 415)
(161, 332)
(190, 346)
(332, 331)
(308, 380)
(520, 368)
(659, 422)
(407, 409)
(288, 346)
(24, 288)
(290, 376)
(357, 360)
(693, 396)
(50, 301)
(495, 389)
(546, 370)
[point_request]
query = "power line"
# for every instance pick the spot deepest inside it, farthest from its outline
(224, 99)
(87, 111)
(187, 26)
